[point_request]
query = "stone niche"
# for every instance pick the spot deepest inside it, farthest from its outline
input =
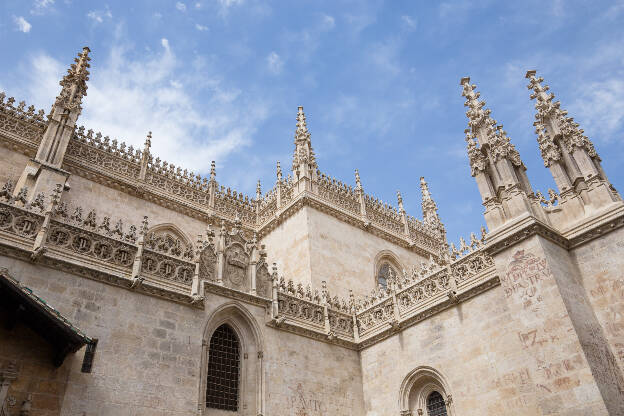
(235, 262)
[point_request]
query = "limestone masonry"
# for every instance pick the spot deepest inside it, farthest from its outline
(130, 286)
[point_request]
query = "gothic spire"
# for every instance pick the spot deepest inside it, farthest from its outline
(551, 121)
(485, 129)
(567, 152)
(430, 210)
(304, 154)
(495, 163)
(429, 207)
(74, 83)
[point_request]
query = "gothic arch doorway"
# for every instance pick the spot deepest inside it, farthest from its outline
(236, 367)
(425, 392)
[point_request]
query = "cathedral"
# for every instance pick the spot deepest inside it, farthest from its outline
(130, 286)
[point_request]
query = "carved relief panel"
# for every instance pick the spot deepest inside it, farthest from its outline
(263, 280)
(208, 264)
(235, 271)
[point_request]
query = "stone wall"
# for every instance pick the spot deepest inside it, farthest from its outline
(288, 245)
(472, 345)
(148, 356)
(36, 375)
(600, 263)
(345, 256)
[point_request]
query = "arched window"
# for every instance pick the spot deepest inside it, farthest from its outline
(223, 370)
(386, 273)
(425, 392)
(436, 405)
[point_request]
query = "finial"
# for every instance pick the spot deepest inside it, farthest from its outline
(74, 83)
(213, 171)
(301, 133)
(258, 191)
(279, 172)
(358, 184)
(424, 188)
(400, 200)
(148, 141)
(464, 81)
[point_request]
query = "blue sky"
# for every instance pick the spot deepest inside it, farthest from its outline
(379, 82)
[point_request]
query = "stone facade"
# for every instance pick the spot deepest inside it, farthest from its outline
(338, 303)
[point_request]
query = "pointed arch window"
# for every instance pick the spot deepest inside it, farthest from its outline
(222, 384)
(385, 274)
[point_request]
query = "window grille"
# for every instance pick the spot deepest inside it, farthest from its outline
(223, 370)
(436, 405)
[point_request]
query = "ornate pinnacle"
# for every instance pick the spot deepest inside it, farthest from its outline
(258, 191)
(148, 142)
(552, 120)
(483, 127)
(301, 133)
(213, 171)
(303, 155)
(358, 183)
(279, 172)
(400, 201)
(74, 83)
(424, 188)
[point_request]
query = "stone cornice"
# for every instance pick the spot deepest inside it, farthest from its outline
(600, 224)
(306, 198)
(438, 305)
(140, 189)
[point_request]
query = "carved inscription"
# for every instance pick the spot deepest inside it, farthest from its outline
(523, 276)
(303, 404)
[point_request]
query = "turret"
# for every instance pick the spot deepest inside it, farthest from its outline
(568, 153)
(495, 163)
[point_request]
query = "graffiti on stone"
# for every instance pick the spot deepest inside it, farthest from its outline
(523, 276)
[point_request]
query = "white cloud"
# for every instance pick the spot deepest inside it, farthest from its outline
(22, 24)
(230, 3)
(275, 63)
(409, 22)
(201, 28)
(193, 116)
(601, 107)
(98, 16)
(181, 6)
(40, 6)
(198, 5)
(328, 22)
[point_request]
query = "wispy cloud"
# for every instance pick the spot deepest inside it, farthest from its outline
(22, 24)
(409, 22)
(130, 94)
(41, 6)
(601, 106)
(328, 22)
(201, 28)
(99, 16)
(275, 63)
(180, 6)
